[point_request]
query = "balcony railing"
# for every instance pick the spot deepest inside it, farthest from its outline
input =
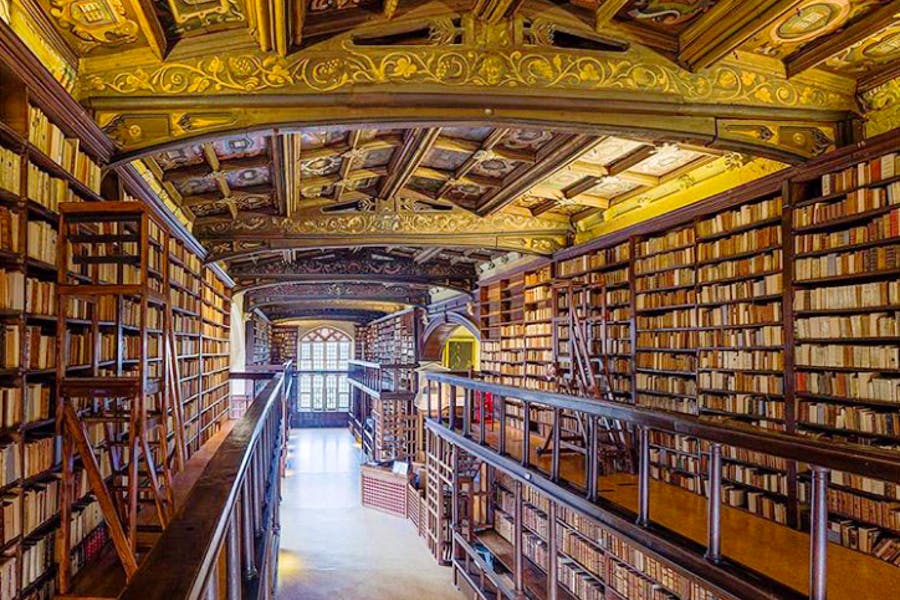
(457, 409)
(224, 541)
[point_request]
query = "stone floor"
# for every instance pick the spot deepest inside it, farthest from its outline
(331, 547)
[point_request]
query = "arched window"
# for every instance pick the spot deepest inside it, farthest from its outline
(322, 370)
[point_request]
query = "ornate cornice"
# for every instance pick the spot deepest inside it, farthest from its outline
(341, 65)
(348, 266)
(254, 233)
(332, 314)
(288, 293)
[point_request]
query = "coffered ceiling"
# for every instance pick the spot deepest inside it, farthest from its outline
(857, 38)
(368, 151)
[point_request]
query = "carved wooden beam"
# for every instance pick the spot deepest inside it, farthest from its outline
(725, 27)
(296, 292)
(569, 149)
(406, 160)
(821, 49)
(348, 266)
(280, 172)
(605, 12)
(274, 22)
(493, 11)
(202, 170)
(199, 199)
(359, 316)
(427, 254)
(153, 30)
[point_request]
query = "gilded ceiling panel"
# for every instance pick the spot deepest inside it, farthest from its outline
(96, 26)
(475, 134)
(181, 17)
(445, 160)
(610, 149)
(869, 54)
(611, 187)
(320, 6)
(666, 159)
(241, 146)
(526, 139)
(666, 16)
(241, 178)
(808, 22)
(189, 154)
(495, 167)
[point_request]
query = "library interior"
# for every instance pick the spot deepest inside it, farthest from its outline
(449, 299)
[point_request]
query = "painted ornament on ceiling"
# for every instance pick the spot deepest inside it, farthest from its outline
(96, 22)
(668, 12)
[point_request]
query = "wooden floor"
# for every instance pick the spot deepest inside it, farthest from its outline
(105, 578)
(774, 550)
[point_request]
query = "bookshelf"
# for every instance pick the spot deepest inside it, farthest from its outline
(776, 308)
(383, 381)
(284, 344)
(259, 340)
(846, 303)
(589, 561)
(46, 159)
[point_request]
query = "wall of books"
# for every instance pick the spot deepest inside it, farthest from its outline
(259, 340)
(284, 344)
(391, 340)
(777, 310)
(43, 163)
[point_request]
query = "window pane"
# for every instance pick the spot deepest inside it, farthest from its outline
(321, 352)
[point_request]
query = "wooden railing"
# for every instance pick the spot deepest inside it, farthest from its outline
(456, 410)
(223, 543)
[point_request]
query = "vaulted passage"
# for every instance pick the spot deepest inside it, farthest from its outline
(483, 299)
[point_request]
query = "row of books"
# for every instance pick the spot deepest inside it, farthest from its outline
(675, 298)
(47, 190)
(741, 382)
(870, 325)
(764, 360)
(852, 418)
(864, 173)
(751, 405)
(593, 261)
(740, 314)
(10, 170)
(857, 296)
(882, 258)
(49, 139)
(750, 241)
(740, 217)
(684, 363)
(883, 227)
(41, 455)
(685, 277)
(759, 265)
(673, 239)
(859, 201)
(845, 355)
(767, 285)
(667, 260)
(41, 242)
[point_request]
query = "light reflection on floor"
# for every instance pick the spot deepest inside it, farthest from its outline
(331, 547)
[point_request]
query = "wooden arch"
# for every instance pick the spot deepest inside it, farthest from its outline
(439, 330)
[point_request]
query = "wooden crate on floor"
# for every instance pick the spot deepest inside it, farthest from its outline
(383, 490)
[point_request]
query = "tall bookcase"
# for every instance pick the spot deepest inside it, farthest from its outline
(46, 158)
(775, 308)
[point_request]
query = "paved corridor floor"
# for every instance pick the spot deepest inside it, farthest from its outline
(331, 547)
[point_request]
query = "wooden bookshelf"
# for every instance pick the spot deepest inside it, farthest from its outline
(284, 344)
(47, 159)
(777, 308)
(584, 559)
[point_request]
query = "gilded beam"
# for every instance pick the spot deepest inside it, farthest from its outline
(390, 223)
(341, 65)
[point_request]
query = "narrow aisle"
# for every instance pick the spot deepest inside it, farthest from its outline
(331, 547)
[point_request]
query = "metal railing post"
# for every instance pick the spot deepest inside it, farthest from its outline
(714, 505)
(818, 534)
(644, 478)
